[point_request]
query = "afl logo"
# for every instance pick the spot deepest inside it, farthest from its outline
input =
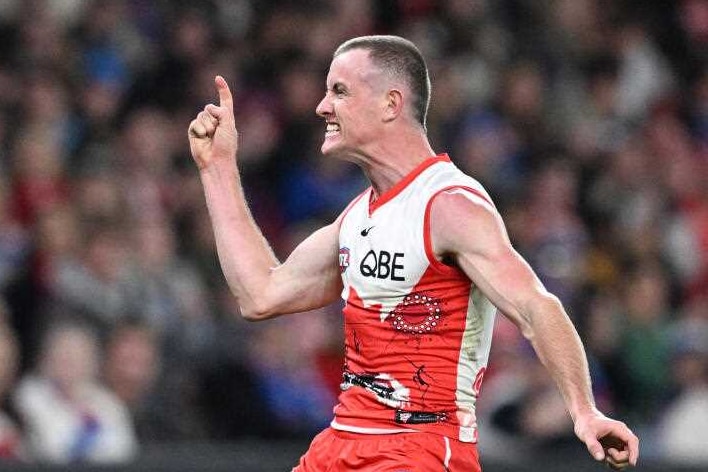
(343, 259)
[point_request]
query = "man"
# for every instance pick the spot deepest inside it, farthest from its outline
(422, 260)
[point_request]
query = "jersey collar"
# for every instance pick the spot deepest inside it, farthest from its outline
(404, 182)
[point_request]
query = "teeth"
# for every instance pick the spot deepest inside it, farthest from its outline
(332, 127)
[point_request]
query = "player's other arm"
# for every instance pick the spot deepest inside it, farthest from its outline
(264, 287)
(468, 229)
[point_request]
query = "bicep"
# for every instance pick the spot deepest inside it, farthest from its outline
(471, 232)
(309, 278)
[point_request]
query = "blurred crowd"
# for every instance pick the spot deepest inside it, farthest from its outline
(587, 120)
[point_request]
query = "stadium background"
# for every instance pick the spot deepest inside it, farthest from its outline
(586, 119)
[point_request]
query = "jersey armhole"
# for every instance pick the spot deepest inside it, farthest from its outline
(427, 238)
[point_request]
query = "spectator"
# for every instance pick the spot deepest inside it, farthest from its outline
(173, 302)
(131, 369)
(12, 447)
(69, 416)
(14, 241)
(682, 423)
(98, 284)
(644, 347)
(39, 180)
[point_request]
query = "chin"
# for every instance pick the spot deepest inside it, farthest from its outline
(330, 149)
(342, 153)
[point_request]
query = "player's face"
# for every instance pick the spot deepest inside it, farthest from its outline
(352, 105)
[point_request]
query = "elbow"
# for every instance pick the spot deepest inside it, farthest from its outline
(253, 312)
(543, 306)
(546, 302)
(252, 315)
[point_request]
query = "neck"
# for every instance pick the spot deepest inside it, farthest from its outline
(390, 161)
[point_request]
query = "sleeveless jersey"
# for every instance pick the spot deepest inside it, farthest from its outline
(417, 331)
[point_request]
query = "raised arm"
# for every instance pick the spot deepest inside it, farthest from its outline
(468, 229)
(264, 287)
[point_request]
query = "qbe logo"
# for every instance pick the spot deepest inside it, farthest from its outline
(343, 259)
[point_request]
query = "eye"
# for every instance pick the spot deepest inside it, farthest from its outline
(339, 90)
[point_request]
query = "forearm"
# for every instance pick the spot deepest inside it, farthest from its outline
(244, 254)
(560, 349)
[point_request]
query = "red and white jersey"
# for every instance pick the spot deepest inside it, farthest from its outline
(417, 331)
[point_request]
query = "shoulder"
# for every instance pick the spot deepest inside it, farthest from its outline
(447, 182)
(103, 399)
(461, 196)
(463, 205)
(462, 217)
(33, 396)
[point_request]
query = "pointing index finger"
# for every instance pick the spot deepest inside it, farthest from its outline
(225, 98)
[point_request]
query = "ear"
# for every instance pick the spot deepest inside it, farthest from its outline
(394, 105)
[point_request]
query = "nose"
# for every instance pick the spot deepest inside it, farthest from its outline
(324, 108)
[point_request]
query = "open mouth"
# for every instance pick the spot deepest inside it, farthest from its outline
(332, 129)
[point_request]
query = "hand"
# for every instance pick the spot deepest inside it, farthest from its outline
(212, 134)
(608, 440)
